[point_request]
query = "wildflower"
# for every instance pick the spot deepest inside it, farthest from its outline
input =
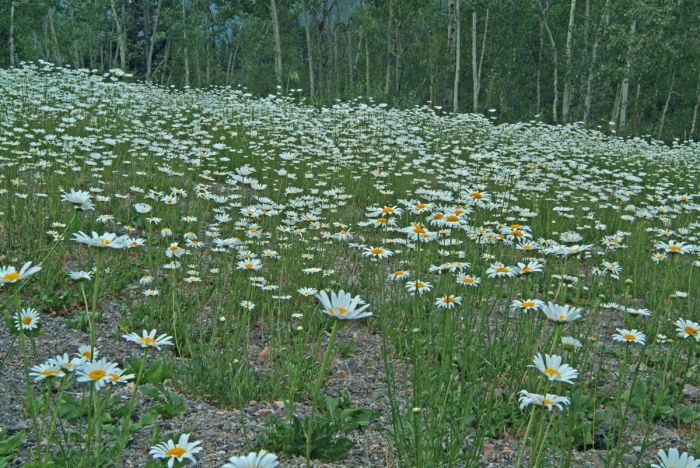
(342, 305)
(66, 363)
(252, 264)
(262, 459)
(418, 285)
(76, 198)
(117, 376)
(174, 250)
(498, 270)
(142, 208)
(146, 280)
(687, 328)
(675, 460)
(629, 336)
(527, 305)
(247, 305)
(80, 275)
(183, 449)
(534, 266)
(550, 401)
(343, 235)
(96, 371)
(377, 252)
(149, 340)
(675, 247)
(45, 371)
(11, 275)
(104, 218)
(399, 275)
(570, 343)
(552, 367)
(86, 353)
(166, 231)
(28, 318)
(561, 314)
(307, 291)
(106, 240)
(448, 302)
(468, 280)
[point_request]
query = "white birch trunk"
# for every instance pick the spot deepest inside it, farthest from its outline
(184, 36)
(278, 43)
(458, 57)
(567, 78)
(308, 45)
(626, 83)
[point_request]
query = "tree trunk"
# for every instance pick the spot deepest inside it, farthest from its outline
(56, 52)
(349, 51)
(165, 62)
(695, 111)
(336, 49)
(636, 107)
(308, 46)
(278, 42)
(121, 40)
(399, 58)
(184, 37)
(668, 100)
(616, 108)
(556, 63)
(388, 48)
(458, 57)
(539, 70)
(152, 42)
(476, 67)
(364, 34)
(626, 83)
(567, 77)
(431, 57)
(594, 55)
(12, 35)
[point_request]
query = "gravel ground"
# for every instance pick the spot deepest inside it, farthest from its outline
(220, 429)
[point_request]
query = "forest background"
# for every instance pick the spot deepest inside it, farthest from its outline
(629, 67)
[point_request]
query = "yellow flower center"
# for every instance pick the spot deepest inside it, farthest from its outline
(629, 337)
(518, 233)
(674, 248)
(476, 195)
(49, 372)
(342, 310)
(26, 320)
(467, 280)
(175, 452)
(448, 300)
(551, 372)
(387, 209)
(420, 285)
(452, 218)
(377, 251)
(562, 316)
(418, 229)
(501, 270)
(438, 216)
(87, 355)
(420, 206)
(398, 273)
(547, 401)
(459, 211)
(249, 265)
(381, 220)
(527, 303)
(514, 226)
(14, 276)
(690, 331)
(174, 248)
(525, 270)
(148, 341)
(97, 374)
(344, 233)
(114, 377)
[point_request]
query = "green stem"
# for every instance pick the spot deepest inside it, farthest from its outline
(25, 362)
(54, 414)
(321, 377)
(127, 419)
(527, 433)
(93, 315)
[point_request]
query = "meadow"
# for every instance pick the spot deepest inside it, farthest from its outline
(520, 282)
